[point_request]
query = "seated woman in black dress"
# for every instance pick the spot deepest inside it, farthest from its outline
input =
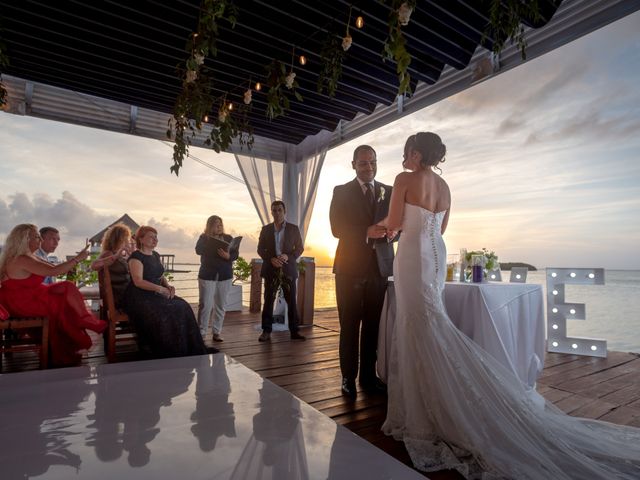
(164, 322)
(116, 249)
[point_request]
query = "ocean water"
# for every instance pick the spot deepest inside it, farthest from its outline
(613, 309)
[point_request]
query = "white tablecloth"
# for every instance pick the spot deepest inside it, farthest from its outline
(505, 319)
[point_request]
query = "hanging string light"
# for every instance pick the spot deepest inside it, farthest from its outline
(359, 21)
(302, 59)
(258, 86)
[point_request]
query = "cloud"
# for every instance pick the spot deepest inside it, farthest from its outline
(68, 214)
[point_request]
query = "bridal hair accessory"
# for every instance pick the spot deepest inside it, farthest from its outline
(381, 194)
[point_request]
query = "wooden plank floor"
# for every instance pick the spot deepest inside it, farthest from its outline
(607, 389)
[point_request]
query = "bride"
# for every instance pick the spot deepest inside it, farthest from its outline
(450, 402)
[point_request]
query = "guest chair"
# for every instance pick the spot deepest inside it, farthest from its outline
(20, 334)
(519, 275)
(119, 327)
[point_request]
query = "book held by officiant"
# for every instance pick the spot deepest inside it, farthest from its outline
(234, 244)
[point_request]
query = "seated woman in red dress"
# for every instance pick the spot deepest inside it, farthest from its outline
(23, 294)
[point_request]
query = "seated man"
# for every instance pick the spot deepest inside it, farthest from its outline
(50, 239)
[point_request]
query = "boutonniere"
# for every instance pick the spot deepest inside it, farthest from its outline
(381, 194)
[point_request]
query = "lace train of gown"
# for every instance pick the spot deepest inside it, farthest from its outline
(455, 407)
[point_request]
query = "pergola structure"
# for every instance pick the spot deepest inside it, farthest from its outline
(111, 64)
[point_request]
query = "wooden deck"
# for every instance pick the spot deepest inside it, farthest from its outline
(606, 389)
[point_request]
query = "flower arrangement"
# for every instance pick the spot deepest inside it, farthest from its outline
(490, 259)
(381, 194)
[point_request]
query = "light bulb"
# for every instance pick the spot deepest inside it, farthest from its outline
(230, 106)
(303, 60)
(206, 118)
(555, 344)
(258, 86)
(359, 21)
(574, 346)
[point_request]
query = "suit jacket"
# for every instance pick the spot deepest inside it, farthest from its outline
(350, 216)
(292, 247)
(212, 265)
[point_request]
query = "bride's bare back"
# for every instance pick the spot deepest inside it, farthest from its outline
(427, 190)
(422, 188)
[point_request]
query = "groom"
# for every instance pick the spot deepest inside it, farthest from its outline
(364, 260)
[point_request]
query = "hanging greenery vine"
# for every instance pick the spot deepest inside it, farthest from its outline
(505, 23)
(278, 80)
(195, 102)
(331, 57)
(395, 46)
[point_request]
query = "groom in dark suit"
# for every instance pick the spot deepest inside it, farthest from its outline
(364, 260)
(279, 246)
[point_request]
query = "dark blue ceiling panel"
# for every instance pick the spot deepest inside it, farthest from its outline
(128, 50)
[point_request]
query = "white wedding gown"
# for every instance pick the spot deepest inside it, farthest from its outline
(455, 407)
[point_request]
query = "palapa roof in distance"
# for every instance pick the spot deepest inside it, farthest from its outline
(126, 219)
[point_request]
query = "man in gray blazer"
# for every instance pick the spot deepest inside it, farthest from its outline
(279, 246)
(363, 262)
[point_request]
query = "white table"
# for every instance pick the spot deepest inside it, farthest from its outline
(505, 319)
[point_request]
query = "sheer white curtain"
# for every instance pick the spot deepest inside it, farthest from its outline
(289, 174)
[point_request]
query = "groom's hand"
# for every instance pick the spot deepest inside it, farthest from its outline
(391, 234)
(376, 231)
(276, 262)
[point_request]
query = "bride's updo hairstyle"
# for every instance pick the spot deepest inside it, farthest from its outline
(430, 147)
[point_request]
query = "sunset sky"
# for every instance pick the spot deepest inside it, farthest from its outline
(543, 163)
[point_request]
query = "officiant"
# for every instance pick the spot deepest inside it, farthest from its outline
(215, 275)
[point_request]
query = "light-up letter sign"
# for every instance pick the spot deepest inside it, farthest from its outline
(558, 311)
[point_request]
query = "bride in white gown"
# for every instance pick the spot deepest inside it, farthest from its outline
(450, 402)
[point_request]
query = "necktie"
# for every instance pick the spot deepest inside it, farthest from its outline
(369, 194)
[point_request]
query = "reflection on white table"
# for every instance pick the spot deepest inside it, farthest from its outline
(505, 319)
(204, 417)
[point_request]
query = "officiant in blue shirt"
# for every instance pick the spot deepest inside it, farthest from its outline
(215, 275)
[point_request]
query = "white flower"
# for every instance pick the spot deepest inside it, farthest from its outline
(289, 79)
(222, 115)
(191, 76)
(381, 195)
(404, 14)
(199, 58)
(346, 42)
(247, 97)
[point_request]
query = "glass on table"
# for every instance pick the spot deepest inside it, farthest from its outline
(452, 270)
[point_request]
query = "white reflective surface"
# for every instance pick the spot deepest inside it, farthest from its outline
(205, 417)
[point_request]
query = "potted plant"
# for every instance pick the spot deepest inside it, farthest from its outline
(241, 272)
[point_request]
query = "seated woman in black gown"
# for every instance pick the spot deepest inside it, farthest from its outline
(164, 322)
(116, 249)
